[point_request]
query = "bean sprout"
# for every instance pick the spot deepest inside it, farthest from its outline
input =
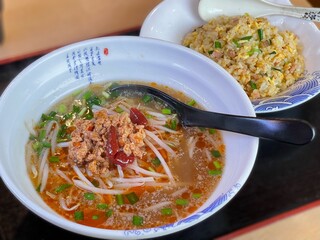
(163, 162)
(81, 176)
(146, 172)
(82, 185)
(160, 142)
(44, 177)
(157, 206)
(63, 175)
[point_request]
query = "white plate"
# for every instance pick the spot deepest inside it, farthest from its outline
(172, 19)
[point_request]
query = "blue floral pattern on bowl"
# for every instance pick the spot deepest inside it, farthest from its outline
(304, 89)
(222, 199)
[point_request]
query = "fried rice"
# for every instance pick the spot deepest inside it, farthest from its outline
(263, 59)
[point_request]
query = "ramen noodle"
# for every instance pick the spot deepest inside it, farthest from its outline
(122, 161)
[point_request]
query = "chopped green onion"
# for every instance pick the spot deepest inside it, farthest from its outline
(89, 114)
(236, 43)
(132, 197)
(46, 144)
(78, 216)
(246, 38)
(76, 109)
(156, 162)
(63, 136)
(87, 95)
(62, 187)
(54, 159)
(37, 146)
(196, 195)
(119, 199)
(93, 100)
(210, 52)
(253, 85)
(38, 188)
(32, 137)
(89, 196)
(173, 124)
(217, 44)
(166, 211)
(52, 114)
(95, 217)
(254, 50)
(215, 172)
(212, 130)
(182, 201)
(137, 220)
(102, 206)
(217, 164)
(146, 98)
(119, 109)
(83, 111)
(109, 213)
(273, 52)
(192, 102)
(260, 34)
(216, 153)
(62, 108)
(67, 116)
(166, 111)
(42, 135)
(102, 101)
(276, 69)
(105, 94)
(49, 117)
(151, 169)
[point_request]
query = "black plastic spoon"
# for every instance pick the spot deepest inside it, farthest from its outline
(291, 131)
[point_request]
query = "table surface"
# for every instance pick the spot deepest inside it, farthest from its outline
(284, 177)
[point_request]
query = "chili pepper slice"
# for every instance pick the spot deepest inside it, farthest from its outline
(112, 146)
(137, 117)
(122, 159)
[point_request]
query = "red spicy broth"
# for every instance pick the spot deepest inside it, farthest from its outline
(122, 162)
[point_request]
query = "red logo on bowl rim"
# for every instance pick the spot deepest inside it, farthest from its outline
(106, 51)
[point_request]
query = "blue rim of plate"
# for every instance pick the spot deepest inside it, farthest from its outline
(304, 89)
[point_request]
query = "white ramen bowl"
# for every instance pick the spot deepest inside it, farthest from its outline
(61, 72)
(171, 20)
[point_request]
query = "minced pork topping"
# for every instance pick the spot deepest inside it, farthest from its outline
(90, 141)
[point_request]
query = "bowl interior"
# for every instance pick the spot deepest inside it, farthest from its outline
(63, 71)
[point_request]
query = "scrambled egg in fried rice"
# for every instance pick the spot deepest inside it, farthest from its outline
(264, 60)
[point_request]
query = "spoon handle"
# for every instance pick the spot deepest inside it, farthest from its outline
(312, 14)
(209, 9)
(290, 131)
